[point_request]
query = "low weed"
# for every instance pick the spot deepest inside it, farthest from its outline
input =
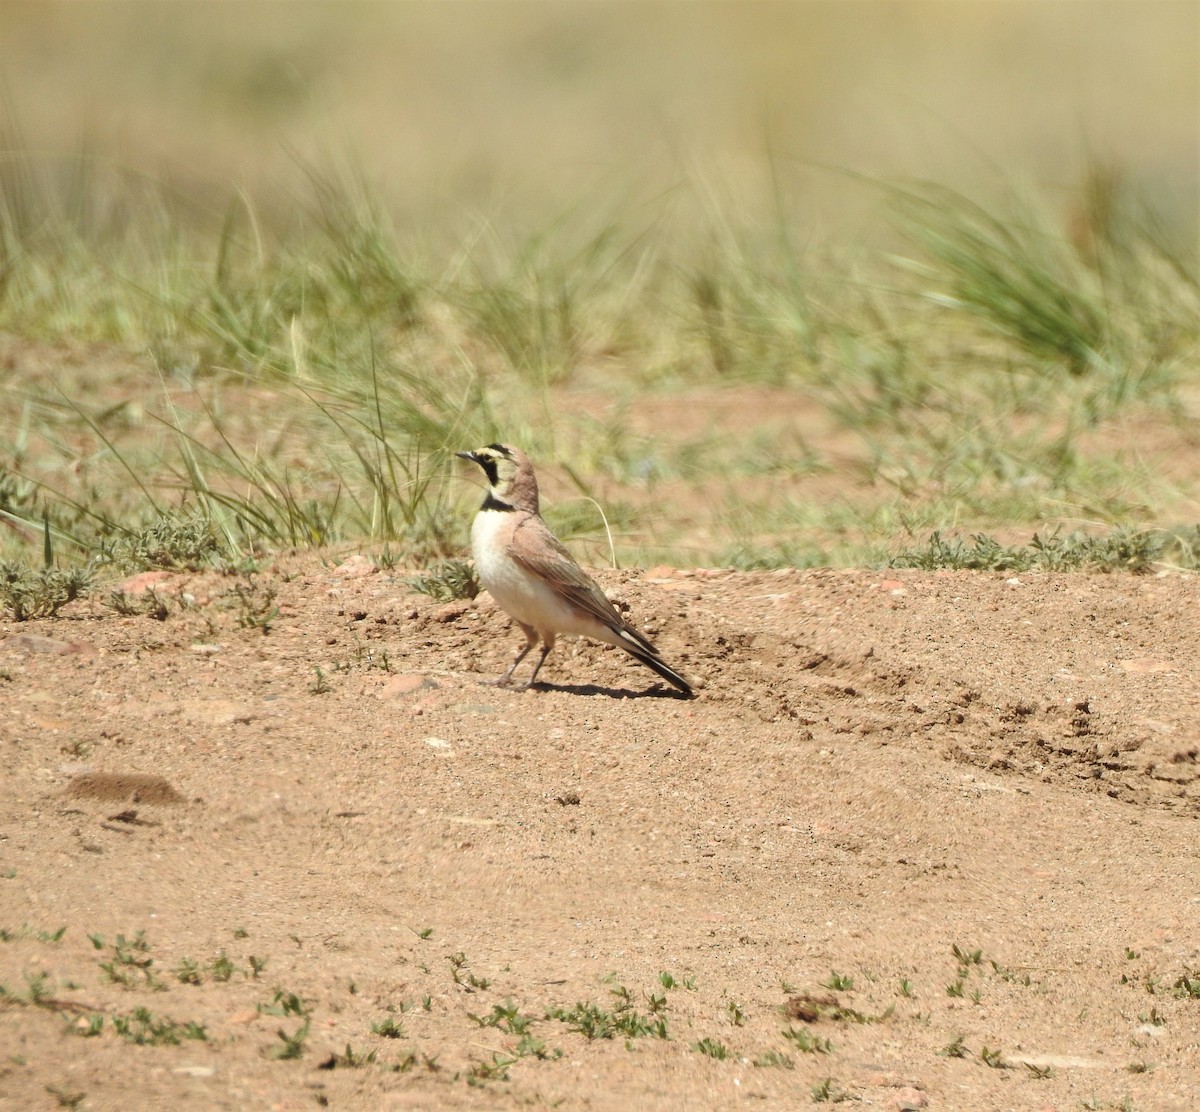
(389, 1029)
(711, 1048)
(130, 963)
(447, 581)
(623, 1019)
(291, 1044)
(26, 931)
(144, 1028)
(1124, 549)
(839, 982)
(827, 1091)
(507, 1017)
(27, 594)
(772, 1059)
(806, 1042)
(462, 975)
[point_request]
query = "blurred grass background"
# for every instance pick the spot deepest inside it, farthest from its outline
(757, 283)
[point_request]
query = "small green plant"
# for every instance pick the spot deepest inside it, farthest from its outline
(290, 1045)
(625, 1020)
(827, 1091)
(188, 972)
(64, 1098)
(966, 958)
(284, 1004)
(389, 1029)
(320, 685)
(736, 1016)
(448, 581)
(1187, 986)
(805, 1042)
(142, 1027)
(87, 1027)
(711, 1048)
(1010, 975)
(43, 593)
(955, 988)
(425, 933)
(506, 1016)
(185, 542)
(1139, 1067)
(496, 1070)
(993, 1058)
(462, 975)
(839, 982)
(1154, 1019)
(130, 960)
(955, 1048)
(257, 965)
(222, 969)
(26, 931)
(256, 606)
(772, 1059)
(349, 1059)
(906, 988)
(1125, 549)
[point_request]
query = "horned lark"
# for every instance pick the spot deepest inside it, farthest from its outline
(534, 578)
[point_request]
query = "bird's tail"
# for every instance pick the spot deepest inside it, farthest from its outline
(638, 647)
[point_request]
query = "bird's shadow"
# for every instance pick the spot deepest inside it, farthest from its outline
(653, 692)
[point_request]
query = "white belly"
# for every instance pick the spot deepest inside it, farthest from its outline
(523, 595)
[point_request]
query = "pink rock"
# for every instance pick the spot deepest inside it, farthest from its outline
(142, 582)
(405, 685)
(356, 566)
(1147, 664)
(36, 643)
(908, 1100)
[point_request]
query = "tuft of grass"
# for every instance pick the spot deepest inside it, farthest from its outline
(711, 1048)
(955, 1048)
(506, 1017)
(807, 1043)
(1013, 272)
(450, 580)
(144, 1028)
(827, 1091)
(130, 963)
(623, 1019)
(773, 1059)
(389, 1029)
(176, 541)
(1124, 549)
(291, 1044)
(462, 975)
(993, 1058)
(27, 594)
(26, 931)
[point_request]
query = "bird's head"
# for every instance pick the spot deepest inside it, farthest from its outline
(511, 482)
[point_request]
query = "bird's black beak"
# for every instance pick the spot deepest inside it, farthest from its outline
(468, 455)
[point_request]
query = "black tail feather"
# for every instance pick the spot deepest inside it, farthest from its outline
(652, 660)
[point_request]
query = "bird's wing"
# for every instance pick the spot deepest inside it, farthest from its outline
(539, 551)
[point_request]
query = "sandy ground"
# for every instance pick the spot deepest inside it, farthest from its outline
(921, 840)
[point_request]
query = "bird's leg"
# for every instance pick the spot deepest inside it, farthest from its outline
(546, 647)
(531, 639)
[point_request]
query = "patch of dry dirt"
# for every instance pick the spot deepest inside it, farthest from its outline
(878, 769)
